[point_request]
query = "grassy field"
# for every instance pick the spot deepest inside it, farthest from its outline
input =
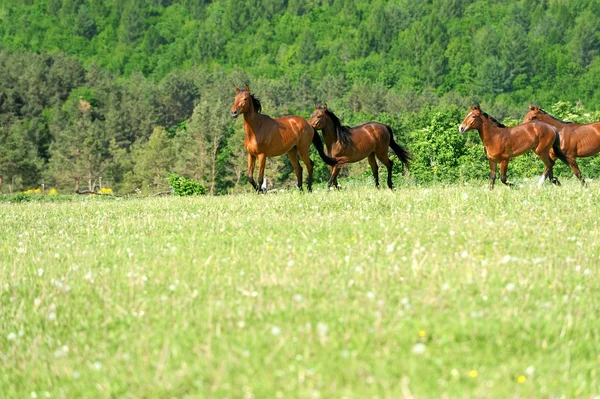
(441, 292)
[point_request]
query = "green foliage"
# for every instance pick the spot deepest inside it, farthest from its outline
(143, 65)
(183, 186)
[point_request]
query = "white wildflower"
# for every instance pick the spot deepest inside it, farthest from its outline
(419, 348)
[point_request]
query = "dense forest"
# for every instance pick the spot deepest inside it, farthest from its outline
(121, 93)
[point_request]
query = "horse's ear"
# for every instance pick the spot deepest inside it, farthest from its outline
(325, 107)
(316, 106)
(237, 90)
(246, 88)
(477, 107)
(471, 108)
(531, 107)
(537, 107)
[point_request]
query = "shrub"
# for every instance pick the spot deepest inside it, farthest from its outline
(181, 186)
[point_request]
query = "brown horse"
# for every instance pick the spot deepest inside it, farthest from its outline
(268, 137)
(576, 141)
(353, 144)
(503, 143)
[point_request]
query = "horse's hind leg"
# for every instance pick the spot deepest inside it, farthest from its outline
(385, 159)
(293, 155)
(575, 168)
(503, 170)
(309, 167)
(548, 171)
(374, 168)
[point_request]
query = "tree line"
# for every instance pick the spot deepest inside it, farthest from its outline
(120, 94)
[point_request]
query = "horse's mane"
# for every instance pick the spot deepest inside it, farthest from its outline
(255, 102)
(343, 132)
(494, 120)
(555, 118)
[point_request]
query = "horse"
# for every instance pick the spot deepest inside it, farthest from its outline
(353, 144)
(503, 143)
(271, 137)
(576, 140)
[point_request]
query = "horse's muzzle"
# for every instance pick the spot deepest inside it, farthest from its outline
(462, 129)
(235, 113)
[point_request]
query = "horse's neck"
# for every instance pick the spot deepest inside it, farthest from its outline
(489, 132)
(329, 134)
(251, 123)
(553, 122)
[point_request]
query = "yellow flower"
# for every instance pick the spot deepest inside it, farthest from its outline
(422, 333)
(473, 373)
(521, 379)
(106, 191)
(550, 286)
(52, 192)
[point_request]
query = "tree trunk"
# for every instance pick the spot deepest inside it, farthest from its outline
(214, 165)
(77, 184)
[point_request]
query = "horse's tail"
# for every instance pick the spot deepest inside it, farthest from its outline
(400, 151)
(556, 148)
(319, 146)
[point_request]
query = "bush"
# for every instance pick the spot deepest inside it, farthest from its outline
(181, 186)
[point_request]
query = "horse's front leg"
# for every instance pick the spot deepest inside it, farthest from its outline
(331, 169)
(492, 173)
(250, 174)
(262, 162)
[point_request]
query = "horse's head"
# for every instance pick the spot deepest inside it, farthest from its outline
(533, 114)
(318, 117)
(242, 101)
(472, 120)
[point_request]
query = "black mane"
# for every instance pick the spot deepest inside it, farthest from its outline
(343, 132)
(255, 102)
(494, 120)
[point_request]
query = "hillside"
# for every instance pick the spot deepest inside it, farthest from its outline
(142, 64)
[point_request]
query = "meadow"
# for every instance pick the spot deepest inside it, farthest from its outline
(435, 292)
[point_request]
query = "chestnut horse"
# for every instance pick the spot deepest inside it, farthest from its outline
(576, 140)
(503, 143)
(353, 144)
(268, 137)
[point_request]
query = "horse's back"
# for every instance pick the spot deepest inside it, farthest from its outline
(295, 121)
(375, 129)
(539, 129)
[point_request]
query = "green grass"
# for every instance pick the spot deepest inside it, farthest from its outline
(290, 295)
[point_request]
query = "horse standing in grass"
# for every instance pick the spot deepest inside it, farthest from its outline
(268, 137)
(576, 140)
(503, 143)
(352, 144)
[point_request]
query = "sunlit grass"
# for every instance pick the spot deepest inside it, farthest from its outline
(430, 292)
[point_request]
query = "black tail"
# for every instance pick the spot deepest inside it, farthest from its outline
(557, 151)
(319, 146)
(401, 152)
